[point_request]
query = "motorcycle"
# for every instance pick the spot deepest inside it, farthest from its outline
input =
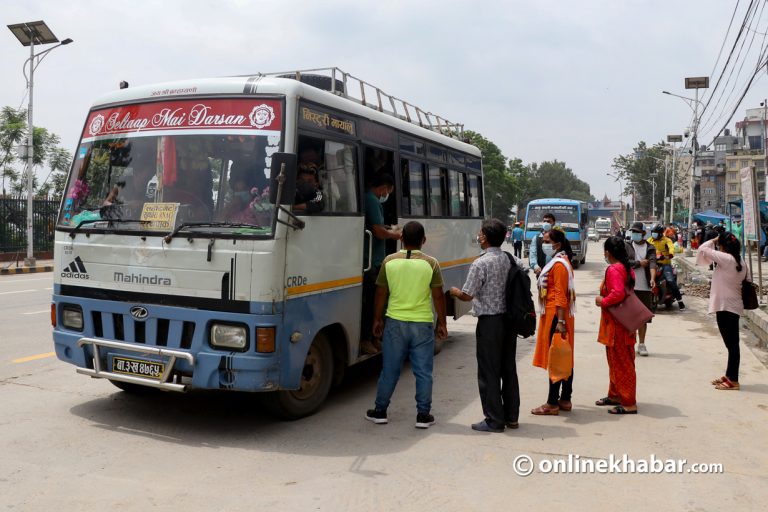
(661, 293)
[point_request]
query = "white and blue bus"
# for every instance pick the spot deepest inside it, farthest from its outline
(176, 270)
(570, 214)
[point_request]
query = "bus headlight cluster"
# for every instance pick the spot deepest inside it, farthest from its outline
(229, 336)
(72, 317)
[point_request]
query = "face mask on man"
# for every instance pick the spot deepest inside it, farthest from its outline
(655, 236)
(383, 198)
(548, 249)
(546, 226)
(636, 237)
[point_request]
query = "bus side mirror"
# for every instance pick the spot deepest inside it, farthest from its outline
(282, 178)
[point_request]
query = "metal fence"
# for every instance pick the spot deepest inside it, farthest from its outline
(13, 224)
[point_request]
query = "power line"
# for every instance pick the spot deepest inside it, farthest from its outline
(747, 16)
(738, 42)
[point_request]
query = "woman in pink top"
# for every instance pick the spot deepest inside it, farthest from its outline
(725, 298)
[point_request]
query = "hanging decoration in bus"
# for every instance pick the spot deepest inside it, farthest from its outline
(190, 115)
(326, 121)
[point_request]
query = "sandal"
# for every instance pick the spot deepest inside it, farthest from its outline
(719, 380)
(727, 385)
(619, 409)
(607, 401)
(546, 410)
(565, 405)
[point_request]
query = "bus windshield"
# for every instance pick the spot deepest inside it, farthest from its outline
(155, 180)
(567, 216)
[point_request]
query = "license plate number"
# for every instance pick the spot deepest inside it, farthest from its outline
(137, 367)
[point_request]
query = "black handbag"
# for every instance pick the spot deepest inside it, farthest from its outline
(749, 294)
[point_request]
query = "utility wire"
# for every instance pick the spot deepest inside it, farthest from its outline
(748, 18)
(711, 121)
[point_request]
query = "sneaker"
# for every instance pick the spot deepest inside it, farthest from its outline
(641, 350)
(424, 420)
(680, 304)
(483, 426)
(377, 416)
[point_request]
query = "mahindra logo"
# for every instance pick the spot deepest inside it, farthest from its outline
(139, 312)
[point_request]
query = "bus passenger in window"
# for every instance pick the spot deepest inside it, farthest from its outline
(309, 195)
(381, 186)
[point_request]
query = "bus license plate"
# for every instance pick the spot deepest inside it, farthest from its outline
(137, 367)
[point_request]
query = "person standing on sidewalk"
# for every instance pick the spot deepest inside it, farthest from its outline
(642, 255)
(412, 281)
(496, 341)
(619, 343)
(517, 240)
(557, 305)
(725, 299)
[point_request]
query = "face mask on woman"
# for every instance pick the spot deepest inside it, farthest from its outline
(655, 236)
(548, 249)
(636, 237)
(607, 260)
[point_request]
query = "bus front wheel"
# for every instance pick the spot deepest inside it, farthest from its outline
(316, 379)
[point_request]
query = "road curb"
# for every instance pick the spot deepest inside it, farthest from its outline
(25, 270)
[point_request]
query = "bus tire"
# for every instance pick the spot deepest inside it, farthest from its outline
(134, 389)
(316, 380)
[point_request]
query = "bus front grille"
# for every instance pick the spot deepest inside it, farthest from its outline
(159, 332)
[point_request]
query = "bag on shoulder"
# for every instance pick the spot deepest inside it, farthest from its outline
(560, 358)
(521, 312)
(749, 294)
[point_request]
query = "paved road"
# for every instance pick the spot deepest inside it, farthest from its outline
(72, 443)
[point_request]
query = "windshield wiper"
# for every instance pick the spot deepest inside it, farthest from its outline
(109, 222)
(224, 224)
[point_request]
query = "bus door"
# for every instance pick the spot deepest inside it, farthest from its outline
(323, 260)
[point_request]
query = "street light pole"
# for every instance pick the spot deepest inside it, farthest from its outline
(29, 34)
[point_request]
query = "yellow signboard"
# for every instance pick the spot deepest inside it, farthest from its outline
(160, 216)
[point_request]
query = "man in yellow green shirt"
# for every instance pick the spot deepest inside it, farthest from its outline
(408, 283)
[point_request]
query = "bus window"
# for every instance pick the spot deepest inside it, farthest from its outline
(338, 178)
(413, 188)
(474, 195)
(458, 194)
(438, 197)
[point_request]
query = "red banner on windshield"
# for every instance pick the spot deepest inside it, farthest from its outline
(215, 114)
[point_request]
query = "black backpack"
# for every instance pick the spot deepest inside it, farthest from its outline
(517, 295)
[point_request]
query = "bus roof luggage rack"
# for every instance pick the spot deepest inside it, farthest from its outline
(343, 84)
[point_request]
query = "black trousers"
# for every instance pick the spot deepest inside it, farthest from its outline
(728, 323)
(518, 249)
(497, 370)
(562, 389)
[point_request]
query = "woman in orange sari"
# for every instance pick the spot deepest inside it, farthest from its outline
(557, 303)
(619, 343)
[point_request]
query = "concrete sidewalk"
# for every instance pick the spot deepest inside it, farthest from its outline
(13, 268)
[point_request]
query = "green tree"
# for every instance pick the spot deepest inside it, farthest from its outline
(639, 171)
(59, 160)
(13, 129)
(554, 179)
(499, 186)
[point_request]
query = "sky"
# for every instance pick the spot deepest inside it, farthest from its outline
(579, 81)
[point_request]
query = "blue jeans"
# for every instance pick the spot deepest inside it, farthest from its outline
(417, 341)
(671, 281)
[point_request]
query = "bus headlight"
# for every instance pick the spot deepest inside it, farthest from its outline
(229, 336)
(72, 317)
